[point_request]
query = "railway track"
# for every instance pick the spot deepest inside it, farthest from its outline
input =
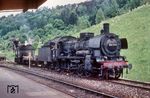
(87, 90)
(131, 83)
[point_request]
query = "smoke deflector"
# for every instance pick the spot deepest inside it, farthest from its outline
(124, 43)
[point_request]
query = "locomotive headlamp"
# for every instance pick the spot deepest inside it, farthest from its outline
(105, 57)
(120, 59)
(99, 59)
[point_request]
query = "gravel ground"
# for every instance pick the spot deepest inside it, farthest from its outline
(60, 87)
(101, 85)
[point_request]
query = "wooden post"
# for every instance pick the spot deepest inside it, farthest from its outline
(29, 60)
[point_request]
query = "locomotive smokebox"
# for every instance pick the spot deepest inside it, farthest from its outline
(106, 27)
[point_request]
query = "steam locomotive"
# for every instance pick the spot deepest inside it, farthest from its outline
(85, 56)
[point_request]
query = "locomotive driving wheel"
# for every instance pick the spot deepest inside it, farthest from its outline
(57, 67)
(117, 73)
(105, 74)
(87, 73)
(80, 70)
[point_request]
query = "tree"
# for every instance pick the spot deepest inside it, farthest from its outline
(59, 24)
(36, 42)
(83, 22)
(81, 10)
(24, 29)
(114, 10)
(92, 19)
(134, 3)
(145, 1)
(122, 3)
(110, 8)
(65, 15)
(73, 18)
(40, 32)
(48, 28)
(99, 16)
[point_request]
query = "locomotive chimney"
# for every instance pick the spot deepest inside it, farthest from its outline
(106, 27)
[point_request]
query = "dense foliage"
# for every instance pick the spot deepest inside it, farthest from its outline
(45, 23)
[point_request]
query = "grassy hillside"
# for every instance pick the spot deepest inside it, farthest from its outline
(135, 26)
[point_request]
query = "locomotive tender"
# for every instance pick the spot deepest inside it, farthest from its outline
(88, 55)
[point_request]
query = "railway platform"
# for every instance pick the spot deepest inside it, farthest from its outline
(13, 85)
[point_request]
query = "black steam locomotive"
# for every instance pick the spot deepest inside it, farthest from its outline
(88, 55)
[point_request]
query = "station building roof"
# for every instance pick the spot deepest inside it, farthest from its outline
(20, 4)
